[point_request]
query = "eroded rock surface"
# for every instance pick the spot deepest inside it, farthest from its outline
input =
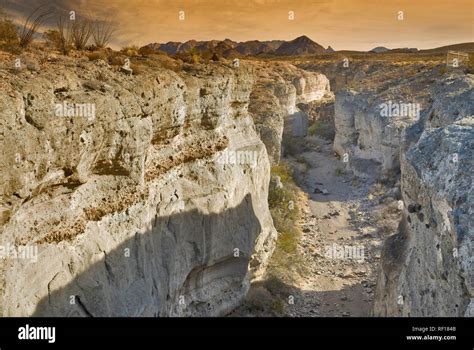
(369, 121)
(279, 89)
(138, 210)
(428, 267)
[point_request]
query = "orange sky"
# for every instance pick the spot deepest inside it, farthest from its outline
(343, 24)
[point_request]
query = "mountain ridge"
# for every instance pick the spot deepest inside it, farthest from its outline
(299, 46)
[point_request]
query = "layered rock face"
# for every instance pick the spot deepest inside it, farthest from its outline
(427, 267)
(370, 141)
(155, 204)
(369, 120)
(416, 126)
(275, 99)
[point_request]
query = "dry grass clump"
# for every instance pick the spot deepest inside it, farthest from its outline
(130, 51)
(97, 55)
(8, 33)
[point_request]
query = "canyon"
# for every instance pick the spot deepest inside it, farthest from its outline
(426, 262)
(141, 211)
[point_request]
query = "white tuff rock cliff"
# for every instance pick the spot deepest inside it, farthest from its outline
(133, 211)
(426, 265)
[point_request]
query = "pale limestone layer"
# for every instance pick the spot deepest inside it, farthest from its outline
(371, 138)
(146, 209)
(427, 266)
(279, 89)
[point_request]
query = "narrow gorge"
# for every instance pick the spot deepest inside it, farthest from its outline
(231, 187)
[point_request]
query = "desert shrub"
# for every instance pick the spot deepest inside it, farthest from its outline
(159, 61)
(147, 51)
(64, 29)
(193, 56)
(208, 56)
(137, 69)
(284, 171)
(174, 65)
(53, 38)
(377, 189)
(130, 51)
(279, 306)
(97, 55)
(81, 31)
(283, 203)
(267, 297)
(301, 159)
(32, 24)
(116, 58)
(102, 32)
(294, 146)
(8, 32)
(319, 128)
(286, 210)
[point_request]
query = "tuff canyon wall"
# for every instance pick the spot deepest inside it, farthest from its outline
(144, 208)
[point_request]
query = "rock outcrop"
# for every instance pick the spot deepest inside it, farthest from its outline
(155, 204)
(370, 118)
(275, 98)
(427, 266)
(369, 141)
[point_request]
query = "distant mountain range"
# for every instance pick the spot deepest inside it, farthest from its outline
(229, 48)
(297, 47)
(465, 47)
